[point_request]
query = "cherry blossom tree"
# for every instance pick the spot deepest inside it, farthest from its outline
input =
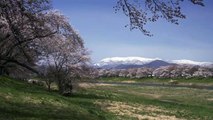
(22, 23)
(63, 54)
(32, 33)
(141, 12)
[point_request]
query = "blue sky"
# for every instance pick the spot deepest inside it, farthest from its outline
(105, 35)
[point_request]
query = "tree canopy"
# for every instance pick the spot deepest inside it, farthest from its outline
(30, 31)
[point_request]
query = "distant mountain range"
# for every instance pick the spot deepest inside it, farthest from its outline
(137, 62)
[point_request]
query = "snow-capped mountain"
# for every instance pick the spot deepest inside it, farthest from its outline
(136, 62)
(190, 62)
(125, 61)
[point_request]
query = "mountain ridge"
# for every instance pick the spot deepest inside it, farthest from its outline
(136, 62)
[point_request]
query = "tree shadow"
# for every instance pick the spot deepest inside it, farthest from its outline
(87, 96)
(16, 110)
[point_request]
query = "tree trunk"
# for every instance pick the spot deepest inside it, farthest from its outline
(48, 85)
(60, 86)
(49, 88)
(1, 71)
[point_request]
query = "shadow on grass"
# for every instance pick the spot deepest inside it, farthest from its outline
(87, 96)
(79, 106)
(16, 110)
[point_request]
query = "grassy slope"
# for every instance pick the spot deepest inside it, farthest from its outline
(19, 100)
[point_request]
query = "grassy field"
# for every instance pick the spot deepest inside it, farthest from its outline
(183, 81)
(19, 100)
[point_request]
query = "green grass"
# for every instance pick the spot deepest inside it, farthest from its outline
(197, 81)
(183, 103)
(19, 100)
(22, 101)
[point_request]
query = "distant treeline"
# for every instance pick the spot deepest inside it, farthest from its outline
(172, 71)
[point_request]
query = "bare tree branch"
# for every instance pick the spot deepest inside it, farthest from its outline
(141, 12)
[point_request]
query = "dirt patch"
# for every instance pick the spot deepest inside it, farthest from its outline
(128, 81)
(103, 84)
(138, 111)
(92, 85)
(210, 99)
(86, 85)
(159, 117)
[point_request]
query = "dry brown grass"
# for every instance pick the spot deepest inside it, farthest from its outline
(35, 100)
(128, 81)
(92, 85)
(134, 110)
(210, 99)
(7, 96)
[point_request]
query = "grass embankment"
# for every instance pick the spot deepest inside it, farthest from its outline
(19, 100)
(183, 81)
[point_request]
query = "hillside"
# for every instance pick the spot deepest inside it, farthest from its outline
(23, 101)
(20, 100)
